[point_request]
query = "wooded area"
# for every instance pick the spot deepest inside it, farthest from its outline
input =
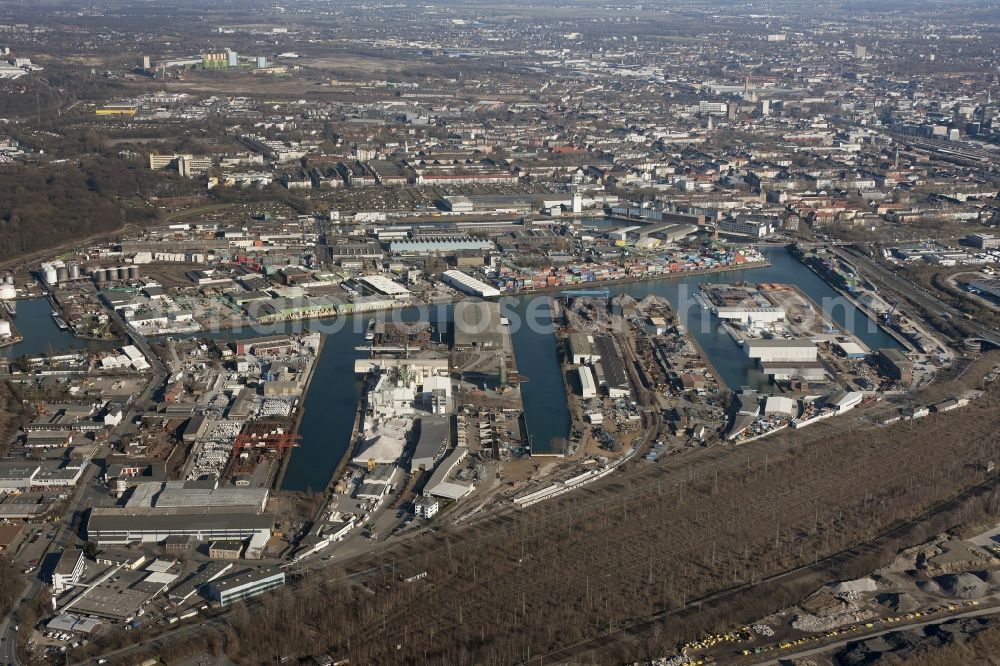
(42, 208)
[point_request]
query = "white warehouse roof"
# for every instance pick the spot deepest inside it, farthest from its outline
(469, 284)
(384, 285)
(777, 404)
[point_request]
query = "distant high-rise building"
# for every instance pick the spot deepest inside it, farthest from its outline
(145, 62)
(765, 107)
(986, 115)
(215, 61)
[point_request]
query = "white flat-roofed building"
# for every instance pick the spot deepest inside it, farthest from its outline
(384, 286)
(780, 405)
(588, 388)
(750, 315)
(780, 349)
(470, 285)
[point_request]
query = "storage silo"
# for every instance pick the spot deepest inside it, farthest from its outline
(4, 328)
(74, 271)
(62, 274)
(121, 273)
(133, 272)
(8, 279)
(49, 273)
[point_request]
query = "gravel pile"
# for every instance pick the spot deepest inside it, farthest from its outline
(964, 586)
(898, 603)
(854, 587)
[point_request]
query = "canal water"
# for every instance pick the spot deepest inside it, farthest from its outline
(41, 335)
(334, 393)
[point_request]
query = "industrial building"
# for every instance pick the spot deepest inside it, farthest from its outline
(781, 406)
(225, 550)
(843, 401)
(894, 364)
(197, 582)
(784, 370)
(438, 244)
(477, 325)
(780, 349)
(439, 486)
(114, 525)
(433, 437)
(750, 315)
(469, 285)
(611, 375)
(581, 349)
(588, 388)
(379, 284)
(851, 349)
(244, 584)
(184, 495)
(983, 241)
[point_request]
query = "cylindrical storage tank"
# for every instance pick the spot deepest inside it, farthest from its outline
(4, 328)
(123, 272)
(8, 279)
(49, 273)
(133, 272)
(62, 274)
(74, 271)
(100, 275)
(7, 292)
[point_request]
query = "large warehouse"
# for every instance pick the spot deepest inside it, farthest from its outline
(380, 284)
(895, 364)
(750, 315)
(477, 325)
(124, 526)
(780, 349)
(470, 285)
(433, 437)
